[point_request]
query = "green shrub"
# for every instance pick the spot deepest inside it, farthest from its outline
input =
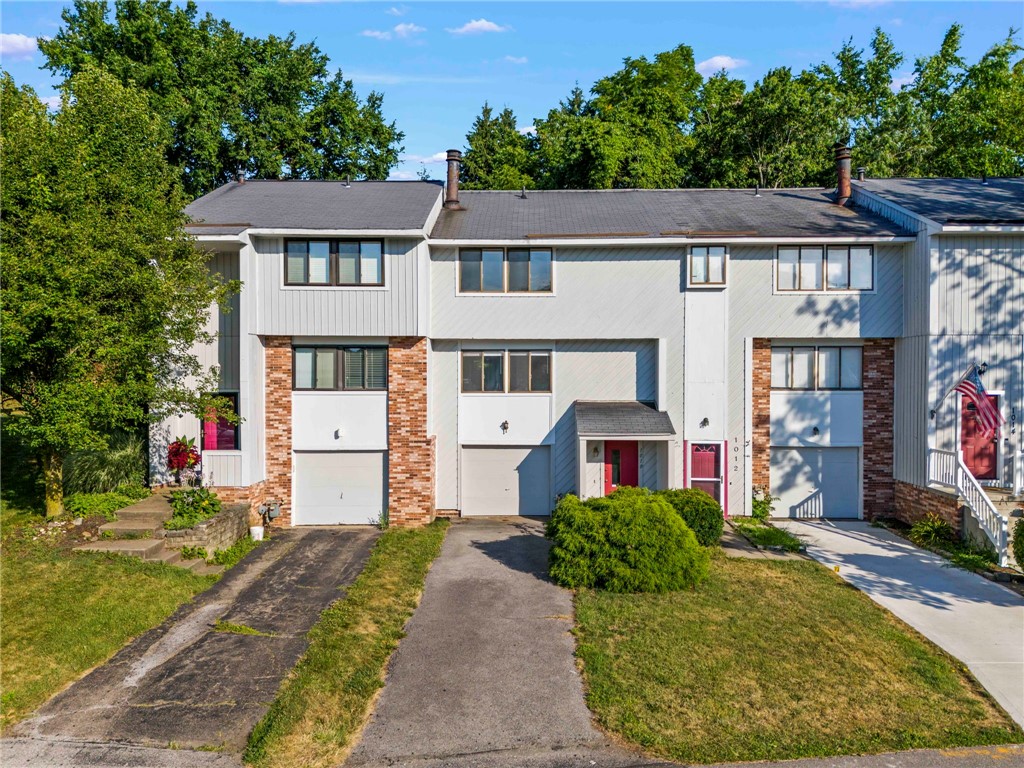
(971, 561)
(762, 504)
(194, 553)
(1018, 544)
(932, 531)
(701, 513)
(630, 541)
(230, 556)
(89, 504)
(134, 492)
(190, 507)
(764, 535)
(122, 462)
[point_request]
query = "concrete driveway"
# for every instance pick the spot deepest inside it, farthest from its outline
(186, 685)
(975, 620)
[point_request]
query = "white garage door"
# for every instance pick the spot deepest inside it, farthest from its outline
(506, 481)
(333, 488)
(816, 482)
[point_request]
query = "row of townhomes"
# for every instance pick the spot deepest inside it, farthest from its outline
(412, 350)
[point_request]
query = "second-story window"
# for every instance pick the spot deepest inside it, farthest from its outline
(500, 270)
(334, 262)
(707, 265)
(816, 368)
(487, 371)
(340, 368)
(815, 268)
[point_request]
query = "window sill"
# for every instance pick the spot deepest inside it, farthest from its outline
(707, 286)
(323, 392)
(223, 451)
(505, 394)
(826, 292)
(507, 294)
(384, 287)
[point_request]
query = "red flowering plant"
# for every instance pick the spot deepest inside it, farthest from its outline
(183, 460)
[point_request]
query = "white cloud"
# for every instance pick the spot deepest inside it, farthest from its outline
(51, 102)
(901, 80)
(376, 34)
(437, 157)
(407, 30)
(477, 26)
(897, 22)
(527, 130)
(402, 176)
(15, 47)
(401, 31)
(400, 10)
(389, 78)
(516, 59)
(720, 62)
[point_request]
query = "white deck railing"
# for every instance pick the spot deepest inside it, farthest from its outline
(947, 468)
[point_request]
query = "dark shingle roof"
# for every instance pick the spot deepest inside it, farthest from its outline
(383, 205)
(656, 213)
(620, 417)
(955, 201)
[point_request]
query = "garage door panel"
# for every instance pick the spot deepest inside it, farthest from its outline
(816, 482)
(339, 488)
(506, 481)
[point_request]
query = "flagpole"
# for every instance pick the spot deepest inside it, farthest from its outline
(972, 369)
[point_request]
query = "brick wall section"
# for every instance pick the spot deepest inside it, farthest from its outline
(219, 532)
(913, 503)
(761, 395)
(279, 425)
(410, 448)
(251, 495)
(879, 396)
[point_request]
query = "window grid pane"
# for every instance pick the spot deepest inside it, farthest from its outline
(851, 368)
(828, 367)
(325, 362)
(470, 271)
(838, 268)
(376, 368)
(699, 266)
(304, 368)
(803, 368)
(781, 359)
(472, 372)
(493, 271)
(810, 269)
(296, 263)
(540, 372)
(354, 369)
(371, 263)
(716, 264)
(861, 269)
(494, 373)
(319, 263)
(540, 270)
(789, 261)
(518, 371)
(518, 270)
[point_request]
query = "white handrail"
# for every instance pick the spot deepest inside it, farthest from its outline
(948, 468)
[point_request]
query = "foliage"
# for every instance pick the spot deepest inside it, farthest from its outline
(763, 535)
(233, 554)
(762, 504)
(190, 507)
(324, 702)
(497, 155)
(1017, 544)
(239, 629)
(932, 531)
(105, 296)
(106, 504)
(974, 561)
(121, 463)
(266, 107)
(630, 541)
(701, 513)
(194, 553)
(182, 454)
(766, 662)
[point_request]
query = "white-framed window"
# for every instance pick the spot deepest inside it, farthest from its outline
(817, 268)
(334, 262)
(708, 264)
(821, 368)
(514, 370)
(505, 270)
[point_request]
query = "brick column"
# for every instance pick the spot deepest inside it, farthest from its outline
(410, 448)
(278, 396)
(879, 395)
(761, 397)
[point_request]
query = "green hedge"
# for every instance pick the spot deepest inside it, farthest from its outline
(630, 541)
(701, 513)
(1018, 545)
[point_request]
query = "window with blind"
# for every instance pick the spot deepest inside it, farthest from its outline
(334, 262)
(500, 270)
(340, 368)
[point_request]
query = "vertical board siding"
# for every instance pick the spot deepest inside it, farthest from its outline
(226, 320)
(335, 311)
(648, 458)
(910, 427)
(444, 410)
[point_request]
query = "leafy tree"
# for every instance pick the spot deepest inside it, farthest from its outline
(265, 106)
(104, 293)
(497, 156)
(716, 157)
(576, 149)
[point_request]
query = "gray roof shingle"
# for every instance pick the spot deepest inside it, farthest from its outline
(620, 417)
(371, 205)
(955, 201)
(492, 215)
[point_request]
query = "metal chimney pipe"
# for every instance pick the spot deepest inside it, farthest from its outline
(862, 172)
(451, 192)
(843, 190)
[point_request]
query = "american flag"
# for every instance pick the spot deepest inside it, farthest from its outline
(989, 417)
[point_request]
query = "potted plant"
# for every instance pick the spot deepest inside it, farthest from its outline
(183, 459)
(255, 525)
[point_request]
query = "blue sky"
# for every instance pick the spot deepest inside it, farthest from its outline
(436, 63)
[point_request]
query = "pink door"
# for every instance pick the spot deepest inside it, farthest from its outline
(621, 464)
(706, 469)
(980, 453)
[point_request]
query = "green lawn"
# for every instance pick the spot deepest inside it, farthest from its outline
(772, 661)
(766, 535)
(327, 697)
(64, 612)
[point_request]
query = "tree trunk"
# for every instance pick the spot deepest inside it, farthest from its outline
(53, 473)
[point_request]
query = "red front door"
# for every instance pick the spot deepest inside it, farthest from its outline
(980, 452)
(621, 464)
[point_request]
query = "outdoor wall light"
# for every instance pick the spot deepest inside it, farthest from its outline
(504, 427)
(815, 431)
(337, 434)
(596, 451)
(705, 422)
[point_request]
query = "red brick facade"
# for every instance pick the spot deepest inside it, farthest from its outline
(761, 397)
(879, 396)
(253, 495)
(913, 503)
(278, 352)
(410, 448)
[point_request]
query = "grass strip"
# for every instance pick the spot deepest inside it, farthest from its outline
(764, 535)
(326, 699)
(773, 661)
(239, 629)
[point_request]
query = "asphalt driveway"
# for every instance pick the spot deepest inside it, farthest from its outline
(978, 622)
(187, 685)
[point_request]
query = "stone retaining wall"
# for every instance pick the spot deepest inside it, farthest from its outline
(219, 532)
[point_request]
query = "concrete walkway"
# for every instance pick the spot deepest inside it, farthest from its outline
(186, 685)
(978, 622)
(486, 675)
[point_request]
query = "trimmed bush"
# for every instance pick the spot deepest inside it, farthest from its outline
(701, 513)
(630, 541)
(1018, 544)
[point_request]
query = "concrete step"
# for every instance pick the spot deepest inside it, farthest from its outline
(208, 569)
(166, 556)
(141, 548)
(134, 525)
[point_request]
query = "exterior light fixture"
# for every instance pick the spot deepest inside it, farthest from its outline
(504, 427)
(705, 422)
(815, 431)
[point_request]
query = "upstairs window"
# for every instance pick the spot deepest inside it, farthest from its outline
(815, 268)
(810, 368)
(500, 270)
(334, 262)
(219, 434)
(340, 368)
(500, 371)
(707, 265)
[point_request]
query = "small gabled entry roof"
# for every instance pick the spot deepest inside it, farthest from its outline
(610, 418)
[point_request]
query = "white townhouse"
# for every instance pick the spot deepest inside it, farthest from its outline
(413, 350)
